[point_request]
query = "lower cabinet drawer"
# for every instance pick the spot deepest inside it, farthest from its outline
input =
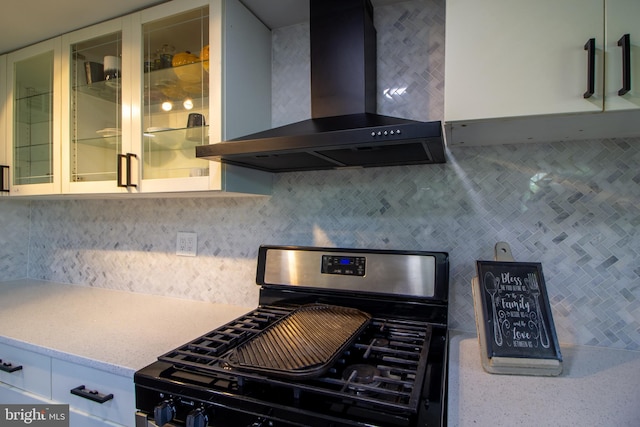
(13, 395)
(26, 370)
(102, 394)
(80, 419)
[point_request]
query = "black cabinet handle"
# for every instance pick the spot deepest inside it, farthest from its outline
(4, 183)
(127, 158)
(119, 180)
(625, 44)
(93, 395)
(129, 180)
(590, 47)
(8, 367)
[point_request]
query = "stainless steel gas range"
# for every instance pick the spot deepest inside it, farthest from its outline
(341, 337)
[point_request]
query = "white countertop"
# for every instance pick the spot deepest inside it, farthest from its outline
(121, 332)
(115, 331)
(598, 387)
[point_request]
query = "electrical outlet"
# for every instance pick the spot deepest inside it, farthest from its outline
(187, 244)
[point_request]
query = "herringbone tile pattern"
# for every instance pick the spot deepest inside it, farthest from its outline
(573, 206)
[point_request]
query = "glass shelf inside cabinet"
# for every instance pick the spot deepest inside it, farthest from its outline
(170, 153)
(164, 85)
(96, 103)
(106, 90)
(34, 108)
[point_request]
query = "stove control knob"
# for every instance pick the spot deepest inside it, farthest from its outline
(197, 418)
(164, 412)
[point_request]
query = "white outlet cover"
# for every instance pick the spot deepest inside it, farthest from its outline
(186, 244)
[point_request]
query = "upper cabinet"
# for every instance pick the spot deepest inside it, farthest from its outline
(191, 53)
(119, 107)
(34, 119)
(509, 61)
(622, 55)
(4, 164)
(518, 57)
(97, 100)
(176, 111)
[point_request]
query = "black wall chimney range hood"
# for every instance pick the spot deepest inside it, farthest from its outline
(344, 131)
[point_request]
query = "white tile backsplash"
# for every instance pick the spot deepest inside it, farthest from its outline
(14, 238)
(573, 206)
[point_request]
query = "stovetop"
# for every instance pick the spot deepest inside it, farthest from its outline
(393, 373)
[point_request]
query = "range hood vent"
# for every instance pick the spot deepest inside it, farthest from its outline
(344, 130)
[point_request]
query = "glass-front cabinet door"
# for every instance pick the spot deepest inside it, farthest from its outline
(34, 119)
(4, 149)
(96, 137)
(176, 81)
(206, 76)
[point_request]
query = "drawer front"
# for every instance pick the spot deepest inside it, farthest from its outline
(68, 376)
(34, 373)
(80, 419)
(11, 395)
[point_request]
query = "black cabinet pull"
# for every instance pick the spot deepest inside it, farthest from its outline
(625, 44)
(8, 367)
(129, 180)
(119, 180)
(127, 158)
(4, 183)
(590, 47)
(93, 395)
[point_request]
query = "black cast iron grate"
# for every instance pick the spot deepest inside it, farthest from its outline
(396, 348)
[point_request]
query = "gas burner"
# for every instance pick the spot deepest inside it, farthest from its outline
(361, 377)
(373, 347)
(380, 342)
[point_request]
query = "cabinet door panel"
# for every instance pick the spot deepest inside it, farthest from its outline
(623, 17)
(519, 58)
(33, 118)
(3, 113)
(95, 97)
(176, 94)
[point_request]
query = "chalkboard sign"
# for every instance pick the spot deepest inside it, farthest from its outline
(516, 315)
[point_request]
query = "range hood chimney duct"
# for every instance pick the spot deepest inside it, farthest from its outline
(344, 130)
(343, 58)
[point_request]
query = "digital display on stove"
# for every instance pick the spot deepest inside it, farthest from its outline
(343, 265)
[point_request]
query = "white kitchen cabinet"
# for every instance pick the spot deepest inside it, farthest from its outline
(28, 377)
(14, 395)
(25, 370)
(96, 111)
(199, 58)
(117, 392)
(518, 57)
(518, 71)
(622, 17)
(80, 419)
(76, 129)
(4, 164)
(34, 119)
